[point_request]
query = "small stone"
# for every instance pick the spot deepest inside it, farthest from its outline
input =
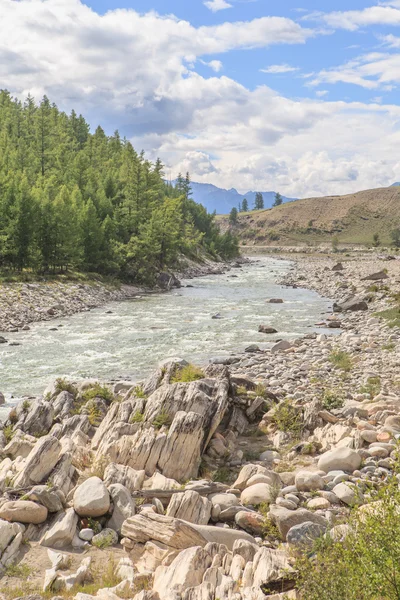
(86, 534)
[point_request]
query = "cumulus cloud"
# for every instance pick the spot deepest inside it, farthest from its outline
(354, 19)
(137, 72)
(216, 5)
(276, 69)
(370, 71)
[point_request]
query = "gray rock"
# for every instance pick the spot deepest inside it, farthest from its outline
(104, 539)
(124, 506)
(302, 536)
(91, 498)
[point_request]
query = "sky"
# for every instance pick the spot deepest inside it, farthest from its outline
(296, 96)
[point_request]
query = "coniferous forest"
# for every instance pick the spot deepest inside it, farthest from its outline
(75, 200)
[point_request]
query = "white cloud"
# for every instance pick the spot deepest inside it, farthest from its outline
(390, 40)
(216, 5)
(275, 69)
(321, 93)
(370, 71)
(354, 19)
(215, 65)
(136, 72)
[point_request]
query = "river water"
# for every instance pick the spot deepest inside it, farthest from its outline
(130, 341)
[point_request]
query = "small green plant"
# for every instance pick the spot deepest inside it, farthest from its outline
(241, 390)
(94, 525)
(187, 373)
(94, 414)
(341, 360)
(391, 315)
(162, 419)
(332, 400)
(390, 347)
(138, 392)
(62, 385)
(26, 406)
(98, 391)
(287, 418)
(223, 475)
(261, 391)
(8, 432)
(372, 387)
(105, 541)
(138, 417)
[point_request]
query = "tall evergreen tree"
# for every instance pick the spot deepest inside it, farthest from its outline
(245, 205)
(278, 199)
(259, 201)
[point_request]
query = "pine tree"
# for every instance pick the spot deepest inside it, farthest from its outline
(278, 199)
(233, 216)
(259, 201)
(245, 205)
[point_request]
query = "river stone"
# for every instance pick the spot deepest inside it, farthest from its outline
(286, 519)
(2, 399)
(308, 481)
(393, 422)
(250, 521)
(340, 459)
(48, 497)
(91, 498)
(350, 495)
(258, 494)
(86, 534)
(190, 507)
(302, 536)
(23, 511)
(224, 500)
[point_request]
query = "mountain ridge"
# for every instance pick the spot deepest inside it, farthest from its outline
(222, 200)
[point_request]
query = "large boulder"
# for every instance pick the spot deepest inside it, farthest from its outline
(62, 530)
(303, 536)
(91, 498)
(23, 511)
(39, 463)
(285, 519)
(351, 304)
(378, 276)
(124, 506)
(308, 481)
(258, 494)
(186, 571)
(340, 459)
(49, 497)
(150, 526)
(190, 507)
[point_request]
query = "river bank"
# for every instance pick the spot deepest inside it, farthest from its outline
(238, 466)
(24, 303)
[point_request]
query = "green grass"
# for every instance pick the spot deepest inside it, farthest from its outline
(391, 315)
(187, 373)
(138, 417)
(62, 385)
(341, 360)
(162, 419)
(138, 392)
(332, 400)
(21, 571)
(287, 418)
(98, 391)
(372, 387)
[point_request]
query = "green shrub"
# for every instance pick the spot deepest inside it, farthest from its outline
(138, 417)
(187, 374)
(13, 416)
(62, 385)
(138, 392)
(365, 565)
(162, 419)
(26, 406)
(8, 432)
(331, 400)
(287, 418)
(341, 360)
(372, 387)
(22, 571)
(241, 390)
(97, 391)
(94, 414)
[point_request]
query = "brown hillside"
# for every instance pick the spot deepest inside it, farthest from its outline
(353, 218)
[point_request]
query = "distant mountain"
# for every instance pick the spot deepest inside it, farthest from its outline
(397, 184)
(222, 201)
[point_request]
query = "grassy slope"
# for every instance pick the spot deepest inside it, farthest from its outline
(354, 218)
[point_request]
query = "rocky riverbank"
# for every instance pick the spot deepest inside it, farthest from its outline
(205, 484)
(25, 303)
